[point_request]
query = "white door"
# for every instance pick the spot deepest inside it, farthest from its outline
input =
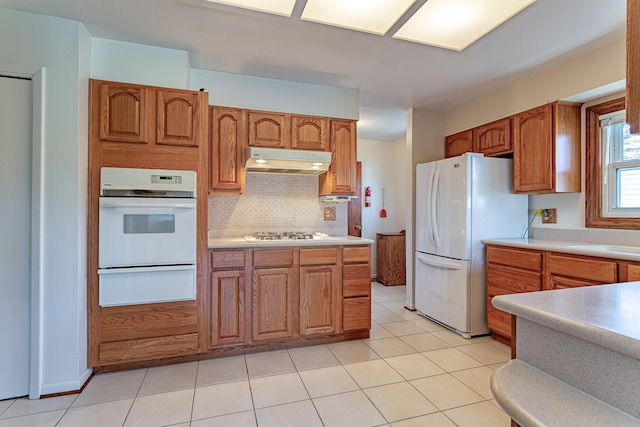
(442, 291)
(15, 229)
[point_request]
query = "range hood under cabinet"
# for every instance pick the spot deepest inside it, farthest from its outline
(278, 160)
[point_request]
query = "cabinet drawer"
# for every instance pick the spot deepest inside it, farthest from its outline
(561, 282)
(273, 258)
(356, 313)
(356, 254)
(529, 260)
(497, 320)
(356, 280)
(227, 259)
(318, 256)
(583, 268)
(506, 280)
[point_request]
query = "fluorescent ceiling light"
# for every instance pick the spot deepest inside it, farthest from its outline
(456, 24)
(277, 7)
(371, 16)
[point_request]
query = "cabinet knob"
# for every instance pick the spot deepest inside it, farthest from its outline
(358, 227)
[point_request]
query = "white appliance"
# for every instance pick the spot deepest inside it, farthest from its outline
(459, 202)
(279, 160)
(147, 236)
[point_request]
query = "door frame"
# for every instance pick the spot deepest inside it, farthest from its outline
(37, 76)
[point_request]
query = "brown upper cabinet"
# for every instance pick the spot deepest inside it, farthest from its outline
(269, 129)
(128, 113)
(458, 143)
(228, 142)
(493, 138)
(123, 112)
(341, 177)
(546, 157)
(177, 117)
(633, 66)
(309, 133)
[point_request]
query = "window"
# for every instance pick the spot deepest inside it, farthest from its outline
(613, 168)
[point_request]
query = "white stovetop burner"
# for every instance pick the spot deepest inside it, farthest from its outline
(287, 235)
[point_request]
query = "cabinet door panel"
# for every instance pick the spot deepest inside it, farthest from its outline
(458, 143)
(515, 257)
(356, 280)
(356, 313)
(309, 133)
(341, 177)
(319, 300)
(269, 130)
(504, 280)
(123, 112)
(227, 308)
(177, 117)
(318, 256)
(228, 259)
(533, 157)
(561, 282)
(497, 320)
(493, 138)
(272, 303)
(228, 142)
(356, 254)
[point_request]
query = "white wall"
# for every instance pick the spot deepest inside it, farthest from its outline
(57, 44)
(425, 143)
(382, 166)
(590, 78)
(140, 64)
(235, 90)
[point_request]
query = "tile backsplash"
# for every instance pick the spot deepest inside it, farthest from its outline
(274, 202)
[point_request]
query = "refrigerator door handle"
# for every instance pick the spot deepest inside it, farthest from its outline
(435, 187)
(439, 262)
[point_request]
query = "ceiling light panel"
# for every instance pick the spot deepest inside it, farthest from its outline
(371, 16)
(277, 7)
(456, 24)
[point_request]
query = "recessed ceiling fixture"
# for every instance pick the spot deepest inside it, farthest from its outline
(371, 16)
(456, 24)
(277, 7)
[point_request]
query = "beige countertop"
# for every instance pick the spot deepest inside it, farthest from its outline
(240, 242)
(608, 250)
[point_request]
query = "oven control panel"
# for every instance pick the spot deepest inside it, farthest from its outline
(166, 179)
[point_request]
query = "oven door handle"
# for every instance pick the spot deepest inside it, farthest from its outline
(137, 203)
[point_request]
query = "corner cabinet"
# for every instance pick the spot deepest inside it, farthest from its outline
(341, 177)
(546, 156)
(228, 142)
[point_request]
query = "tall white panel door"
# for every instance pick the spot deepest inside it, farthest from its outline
(15, 229)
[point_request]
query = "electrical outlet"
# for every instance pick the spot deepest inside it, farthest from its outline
(549, 216)
(329, 214)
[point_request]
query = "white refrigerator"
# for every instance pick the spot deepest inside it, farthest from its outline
(460, 201)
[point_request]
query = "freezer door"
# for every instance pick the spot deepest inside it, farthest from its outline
(442, 291)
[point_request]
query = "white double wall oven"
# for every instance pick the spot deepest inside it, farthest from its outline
(147, 236)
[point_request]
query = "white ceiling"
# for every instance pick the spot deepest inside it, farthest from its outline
(392, 75)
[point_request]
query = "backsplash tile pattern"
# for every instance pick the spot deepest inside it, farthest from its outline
(274, 202)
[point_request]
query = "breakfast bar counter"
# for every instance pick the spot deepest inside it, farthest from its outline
(577, 357)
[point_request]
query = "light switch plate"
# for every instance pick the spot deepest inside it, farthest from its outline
(329, 214)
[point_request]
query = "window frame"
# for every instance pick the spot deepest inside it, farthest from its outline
(594, 217)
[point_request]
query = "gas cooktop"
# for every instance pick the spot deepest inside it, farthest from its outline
(287, 235)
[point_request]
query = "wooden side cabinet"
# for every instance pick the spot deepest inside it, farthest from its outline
(546, 157)
(340, 179)
(228, 142)
(390, 259)
(458, 143)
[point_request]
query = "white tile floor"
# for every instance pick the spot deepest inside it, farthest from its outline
(410, 372)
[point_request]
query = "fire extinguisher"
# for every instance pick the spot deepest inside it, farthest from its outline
(367, 197)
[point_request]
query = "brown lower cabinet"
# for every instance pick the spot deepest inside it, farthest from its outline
(515, 270)
(276, 295)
